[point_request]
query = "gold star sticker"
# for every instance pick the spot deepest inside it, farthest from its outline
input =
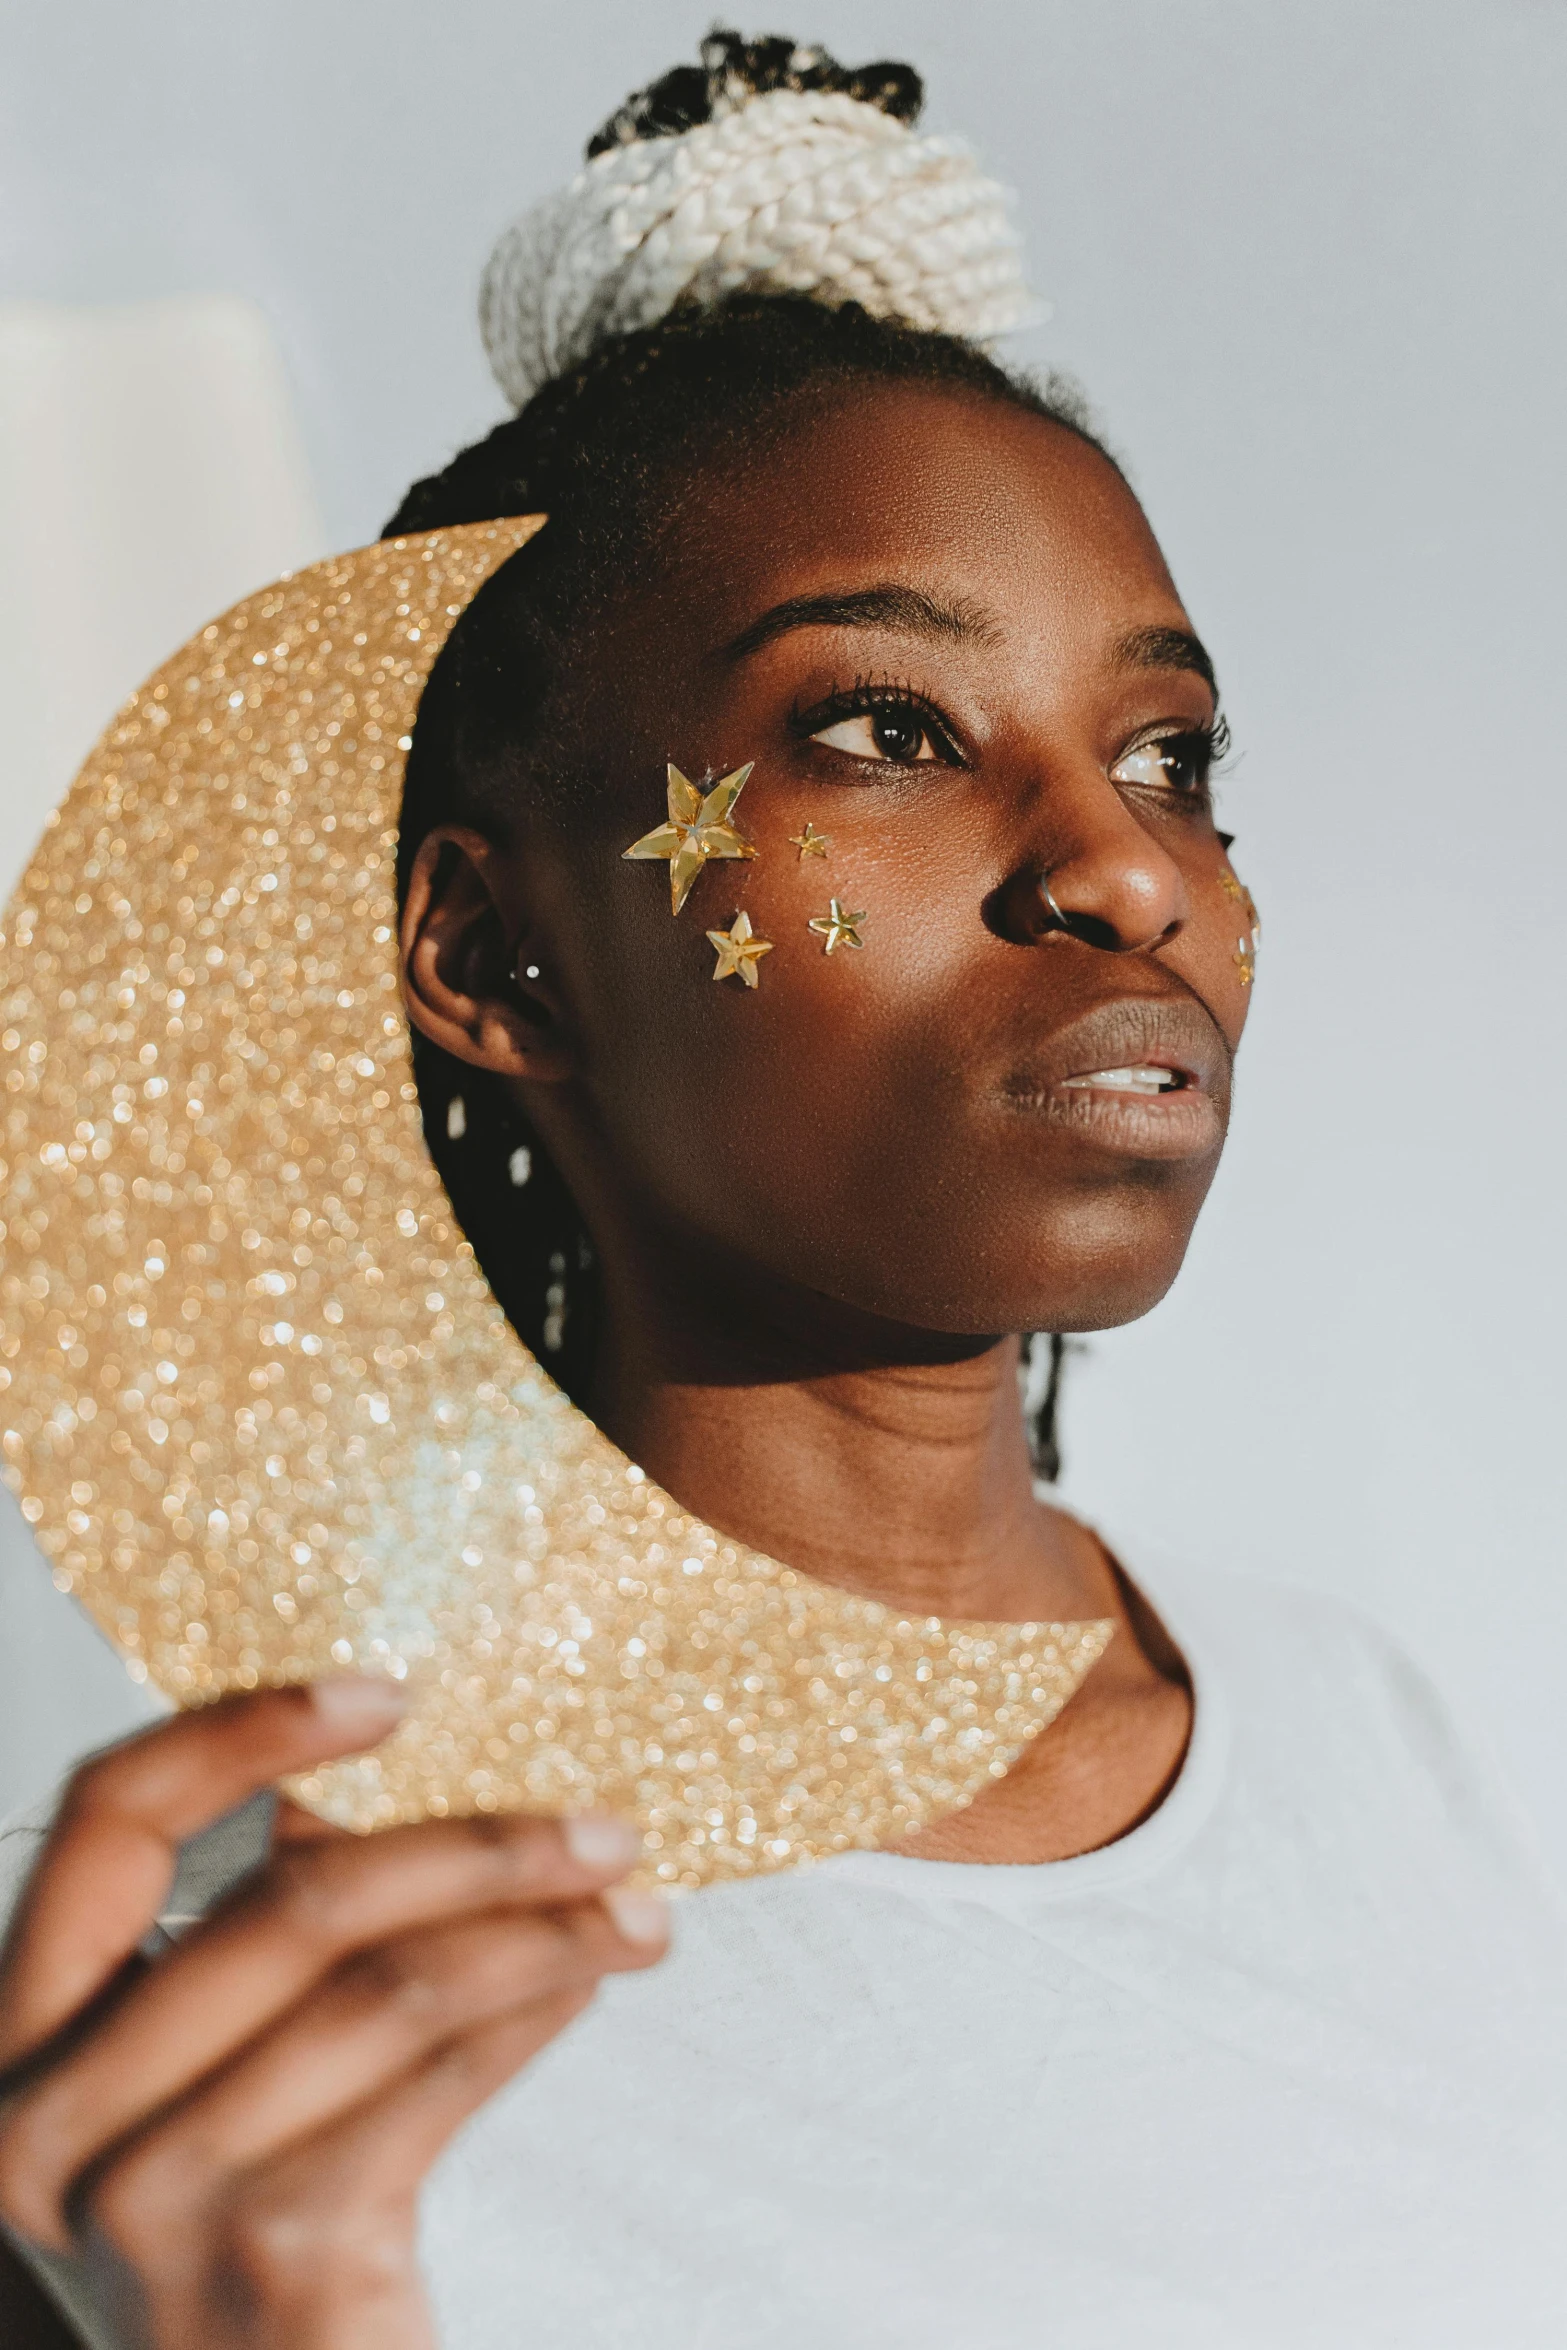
(698, 828)
(836, 927)
(1245, 961)
(738, 952)
(810, 842)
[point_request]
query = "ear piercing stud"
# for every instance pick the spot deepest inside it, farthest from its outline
(698, 828)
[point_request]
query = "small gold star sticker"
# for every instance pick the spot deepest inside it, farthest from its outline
(810, 842)
(698, 828)
(836, 927)
(1245, 961)
(738, 952)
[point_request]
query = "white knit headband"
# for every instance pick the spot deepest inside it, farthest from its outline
(792, 191)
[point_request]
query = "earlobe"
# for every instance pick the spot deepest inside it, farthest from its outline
(469, 984)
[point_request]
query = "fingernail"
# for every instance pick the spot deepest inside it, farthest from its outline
(357, 1701)
(641, 1917)
(599, 1841)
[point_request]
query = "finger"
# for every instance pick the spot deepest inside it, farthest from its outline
(262, 1952)
(320, 2239)
(382, 2015)
(111, 1856)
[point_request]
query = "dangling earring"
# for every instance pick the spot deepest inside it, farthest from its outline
(554, 1331)
(456, 1118)
(698, 827)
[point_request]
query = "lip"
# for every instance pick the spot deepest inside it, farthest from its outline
(1160, 1032)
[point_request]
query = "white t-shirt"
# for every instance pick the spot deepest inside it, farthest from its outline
(1286, 2066)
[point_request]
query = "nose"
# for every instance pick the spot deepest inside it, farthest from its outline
(1097, 876)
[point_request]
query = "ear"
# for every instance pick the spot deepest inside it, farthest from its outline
(461, 957)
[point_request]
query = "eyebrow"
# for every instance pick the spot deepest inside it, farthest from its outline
(1166, 648)
(889, 605)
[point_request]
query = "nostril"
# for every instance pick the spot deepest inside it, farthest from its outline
(1091, 930)
(1025, 910)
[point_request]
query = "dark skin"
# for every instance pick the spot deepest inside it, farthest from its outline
(850, 1184)
(823, 1207)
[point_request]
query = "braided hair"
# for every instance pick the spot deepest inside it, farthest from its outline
(604, 448)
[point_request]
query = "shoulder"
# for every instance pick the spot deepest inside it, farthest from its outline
(1326, 1708)
(1300, 1659)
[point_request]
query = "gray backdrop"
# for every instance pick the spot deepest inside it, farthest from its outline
(1307, 261)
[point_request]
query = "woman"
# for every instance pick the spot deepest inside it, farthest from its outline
(1231, 2014)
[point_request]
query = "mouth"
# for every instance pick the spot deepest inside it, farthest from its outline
(1144, 1077)
(1148, 1077)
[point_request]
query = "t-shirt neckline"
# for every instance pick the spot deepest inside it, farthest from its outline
(1007, 1885)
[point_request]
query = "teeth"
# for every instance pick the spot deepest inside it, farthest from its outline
(1141, 1080)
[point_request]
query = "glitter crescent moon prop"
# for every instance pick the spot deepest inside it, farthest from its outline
(262, 1412)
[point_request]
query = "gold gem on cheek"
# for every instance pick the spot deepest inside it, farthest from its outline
(1245, 955)
(738, 952)
(836, 927)
(810, 842)
(698, 828)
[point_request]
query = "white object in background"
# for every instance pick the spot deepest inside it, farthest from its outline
(151, 473)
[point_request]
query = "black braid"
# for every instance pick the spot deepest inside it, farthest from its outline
(1042, 1411)
(604, 450)
(733, 68)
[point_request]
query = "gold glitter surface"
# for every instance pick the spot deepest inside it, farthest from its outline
(262, 1412)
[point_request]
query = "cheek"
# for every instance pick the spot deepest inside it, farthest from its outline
(770, 1111)
(846, 1122)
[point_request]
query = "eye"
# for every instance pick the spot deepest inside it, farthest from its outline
(1176, 763)
(894, 731)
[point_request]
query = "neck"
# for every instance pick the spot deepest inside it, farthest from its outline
(894, 1463)
(886, 1461)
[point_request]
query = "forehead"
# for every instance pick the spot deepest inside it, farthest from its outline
(947, 489)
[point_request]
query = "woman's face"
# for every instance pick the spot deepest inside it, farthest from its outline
(940, 631)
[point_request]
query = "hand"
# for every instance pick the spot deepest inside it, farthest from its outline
(231, 2141)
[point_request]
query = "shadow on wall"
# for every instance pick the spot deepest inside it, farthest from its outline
(151, 474)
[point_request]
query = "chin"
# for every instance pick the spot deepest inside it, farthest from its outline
(1061, 1298)
(1090, 1265)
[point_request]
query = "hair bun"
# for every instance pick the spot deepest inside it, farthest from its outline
(769, 169)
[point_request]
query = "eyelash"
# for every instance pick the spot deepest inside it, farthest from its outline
(883, 697)
(1206, 746)
(877, 698)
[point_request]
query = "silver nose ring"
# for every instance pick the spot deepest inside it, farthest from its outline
(1048, 894)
